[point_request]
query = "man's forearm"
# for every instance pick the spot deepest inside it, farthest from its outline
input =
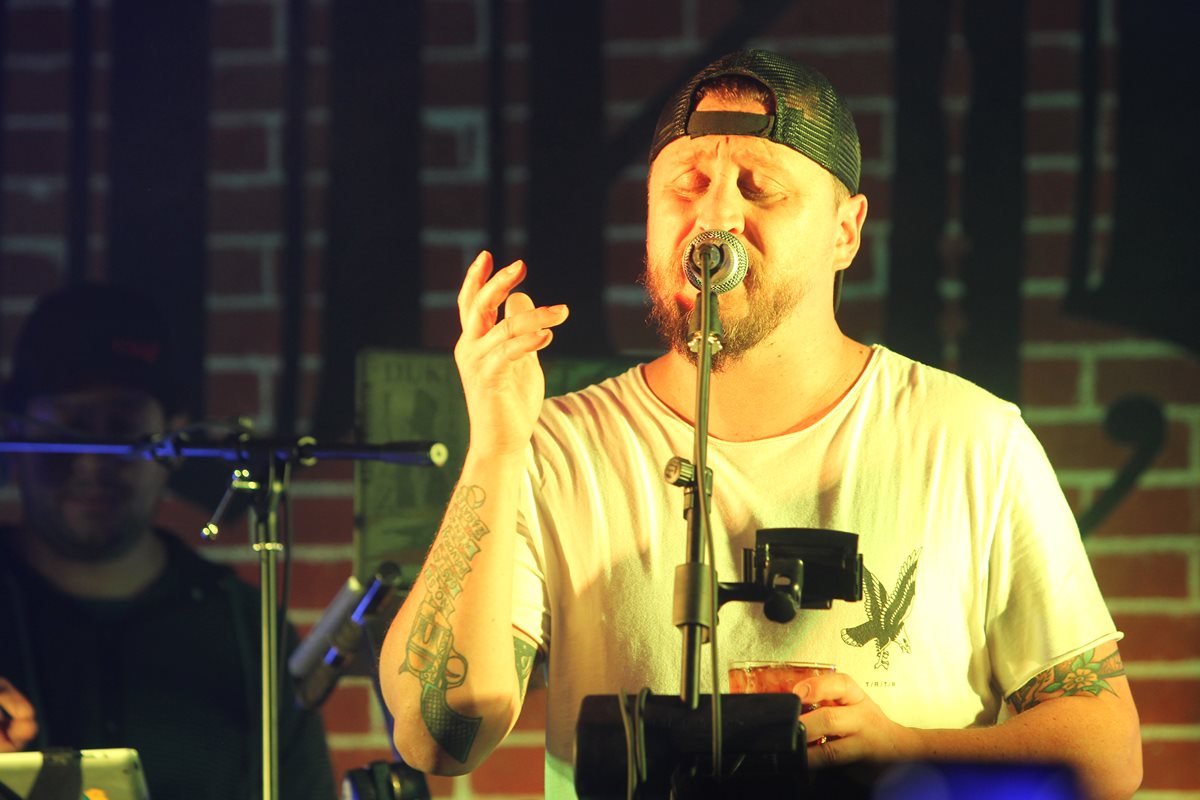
(1096, 736)
(447, 667)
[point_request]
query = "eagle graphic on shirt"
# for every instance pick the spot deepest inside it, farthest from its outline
(885, 615)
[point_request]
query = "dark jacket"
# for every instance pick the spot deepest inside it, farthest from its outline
(173, 673)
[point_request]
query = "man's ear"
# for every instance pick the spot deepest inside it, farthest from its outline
(851, 214)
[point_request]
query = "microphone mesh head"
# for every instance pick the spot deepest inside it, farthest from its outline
(728, 270)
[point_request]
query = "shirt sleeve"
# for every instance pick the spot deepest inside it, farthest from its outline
(1043, 602)
(531, 605)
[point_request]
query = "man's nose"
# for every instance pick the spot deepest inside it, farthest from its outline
(722, 206)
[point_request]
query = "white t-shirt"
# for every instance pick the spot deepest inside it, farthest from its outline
(950, 493)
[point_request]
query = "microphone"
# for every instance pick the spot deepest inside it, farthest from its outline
(328, 652)
(722, 254)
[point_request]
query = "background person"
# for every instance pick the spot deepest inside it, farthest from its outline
(116, 634)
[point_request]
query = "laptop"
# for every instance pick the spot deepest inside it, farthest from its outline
(113, 774)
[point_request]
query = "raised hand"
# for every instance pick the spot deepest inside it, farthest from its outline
(18, 724)
(497, 358)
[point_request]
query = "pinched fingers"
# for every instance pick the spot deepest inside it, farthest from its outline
(482, 293)
(525, 328)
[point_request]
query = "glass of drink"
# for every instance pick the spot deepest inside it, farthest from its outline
(762, 677)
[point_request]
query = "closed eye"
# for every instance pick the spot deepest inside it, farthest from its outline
(690, 183)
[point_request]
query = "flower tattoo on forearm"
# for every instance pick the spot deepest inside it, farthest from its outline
(1080, 675)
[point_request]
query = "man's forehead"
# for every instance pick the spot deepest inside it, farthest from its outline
(750, 151)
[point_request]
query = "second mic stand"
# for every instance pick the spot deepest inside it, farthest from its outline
(277, 455)
(275, 459)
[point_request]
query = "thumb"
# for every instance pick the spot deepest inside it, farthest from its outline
(516, 303)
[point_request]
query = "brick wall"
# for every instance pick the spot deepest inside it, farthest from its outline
(1147, 555)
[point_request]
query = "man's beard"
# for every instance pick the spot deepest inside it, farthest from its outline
(768, 304)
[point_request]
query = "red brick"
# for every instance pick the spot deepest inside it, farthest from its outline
(247, 87)
(853, 74)
(327, 471)
(252, 209)
(1052, 131)
(635, 78)
(1052, 69)
(318, 24)
(34, 29)
(1087, 446)
(1154, 511)
(314, 207)
(30, 275)
(1047, 255)
(444, 266)
(1049, 194)
(862, 319)
(1167, 701)
(1171, 765)
(1044, 320)
(1061, 16)
(454, 83)
(36, 92)
(1158, 637)
(243, 332)
(879, 194)
(439, 328)
(35, 152)
(513, 771)
(824, 18)
(238, 149)
(29, 215)
(1049, 382)
(348, 709)
(871, 134)
(454, 206)
(315, 584)
(242, 26)
(323, 520)
(533, 712)
(1170, 379)
(863, 270)
(627, 202)
(636, 19)
(625, 261)
(317, 87)
(1148, 575)
(517, 21)
(316, 146)
(443, 149)
(235, 271)
(232, 395)
(516, 149)
(452, 23)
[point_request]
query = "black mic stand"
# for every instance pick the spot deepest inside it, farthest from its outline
(660, 738)
(272, 459)
(695, 599)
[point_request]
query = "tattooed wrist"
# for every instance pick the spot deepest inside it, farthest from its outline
(431, 656)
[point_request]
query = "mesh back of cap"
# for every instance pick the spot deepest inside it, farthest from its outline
(810, 116)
